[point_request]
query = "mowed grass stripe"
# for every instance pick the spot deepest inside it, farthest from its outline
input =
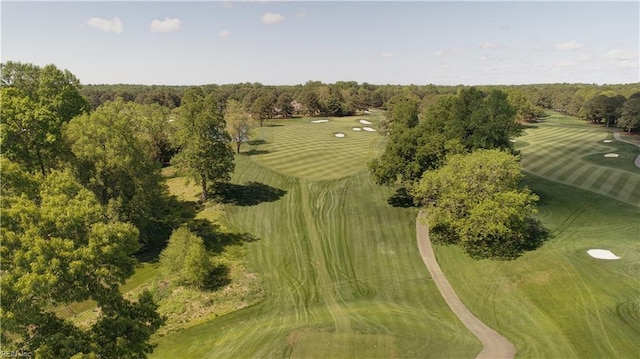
(557, 153)
(311, 151)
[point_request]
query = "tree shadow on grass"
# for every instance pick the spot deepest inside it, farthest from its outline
(256, 142)
(253, 152)
(248, 194)
(218, 277)
(215, 239)
(401, 198)
(173, 213)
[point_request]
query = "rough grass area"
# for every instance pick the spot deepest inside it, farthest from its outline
(235, 287)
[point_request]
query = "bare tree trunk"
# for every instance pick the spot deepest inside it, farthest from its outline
(238, 147)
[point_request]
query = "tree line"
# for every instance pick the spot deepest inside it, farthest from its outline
(597, 103)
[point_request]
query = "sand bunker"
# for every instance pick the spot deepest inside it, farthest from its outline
(611, 155)
(339, 134)
(319, 121)
(369, 129)
(512, 140)
(357, 129)
(602, 254)
(607, 141)
(365, 122)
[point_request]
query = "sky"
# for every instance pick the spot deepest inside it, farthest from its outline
(292, 42)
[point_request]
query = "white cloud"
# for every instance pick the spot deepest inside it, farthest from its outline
(569, 45)
(166, 25)
(618, 54)
(113, 25)
(386, 54)
(439, 53)
(272, 18)
(224, 33)
(488, 45)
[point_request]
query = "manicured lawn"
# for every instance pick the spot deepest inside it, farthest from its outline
(570, 151)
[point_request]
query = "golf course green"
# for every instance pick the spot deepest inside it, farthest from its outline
(343, 277)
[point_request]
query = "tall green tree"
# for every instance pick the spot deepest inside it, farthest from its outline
(59, 248)
(115, 158)
(475, 201)
(263, 107)
(284, 105)
(630, 118)
(36, 102)
(402, 112)
(204, 144)
(238, 122)
(454, 124)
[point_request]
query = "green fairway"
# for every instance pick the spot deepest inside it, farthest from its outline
(309, 150)
(558, 302)
(569, 151)
(337, 262)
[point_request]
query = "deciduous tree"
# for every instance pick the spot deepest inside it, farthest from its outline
(205, 154)
(115, 158)
(475, 201)
(455, 124)
(36, 102)
(630, 118)
(59, 248)
(238, 122)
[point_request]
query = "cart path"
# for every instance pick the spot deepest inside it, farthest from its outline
(494, 344)
(616, 134)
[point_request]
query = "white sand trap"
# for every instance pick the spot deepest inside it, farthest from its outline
(612, 155)
(607, 141)
(602, 254)
(357, 129)
(339, 134)
(319, 121)
(365, 122)
(369, 129)
(512, 140)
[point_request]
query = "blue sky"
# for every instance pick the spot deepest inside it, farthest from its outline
(291, 42)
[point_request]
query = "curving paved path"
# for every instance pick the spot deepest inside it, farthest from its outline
(617, 137)
(494, 344)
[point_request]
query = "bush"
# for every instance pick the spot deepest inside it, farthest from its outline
(185, 260)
